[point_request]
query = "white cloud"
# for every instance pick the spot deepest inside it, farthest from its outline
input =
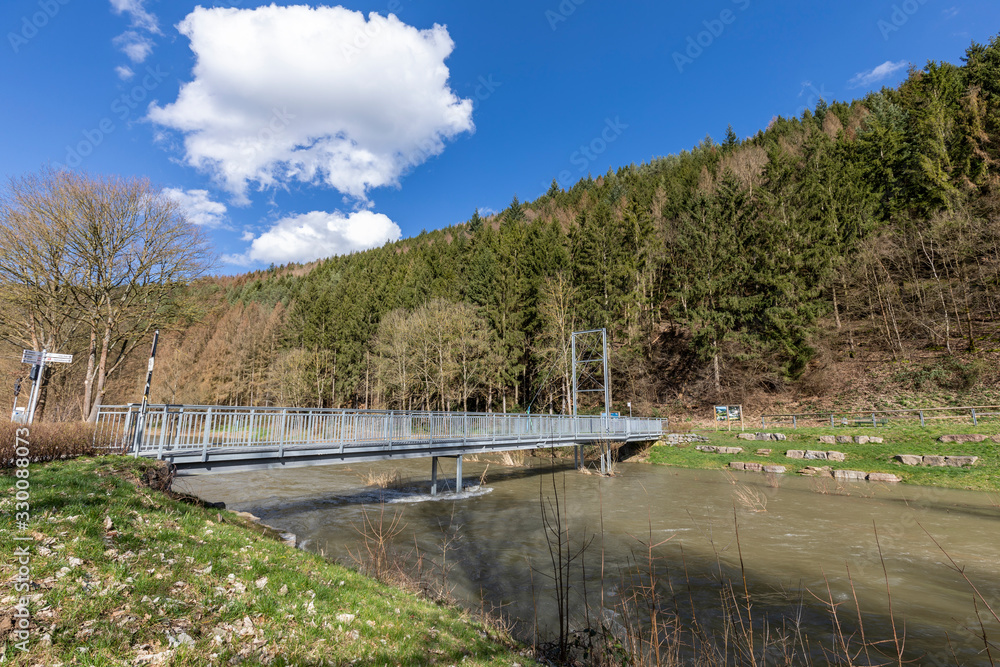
(198, 206)
(134, 45)
(124, 72)
(136, 42)
(880, 73)
(311, 236)
(137, 12)
(314, 95)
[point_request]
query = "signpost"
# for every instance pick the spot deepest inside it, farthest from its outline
(37, 360)
(729, 414)
(141, 421)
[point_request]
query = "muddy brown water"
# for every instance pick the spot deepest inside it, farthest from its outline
(798, 538)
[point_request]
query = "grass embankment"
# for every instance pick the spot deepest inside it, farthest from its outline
(898, 439)
(123, 574)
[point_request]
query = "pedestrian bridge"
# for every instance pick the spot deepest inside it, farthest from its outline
(206, 439)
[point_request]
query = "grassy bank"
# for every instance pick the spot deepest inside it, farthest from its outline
(898, 439)
(123, 574)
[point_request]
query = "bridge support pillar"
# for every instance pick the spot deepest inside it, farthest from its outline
(434, 475)
(458, 475)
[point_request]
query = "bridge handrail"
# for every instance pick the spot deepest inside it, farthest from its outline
(185, 428)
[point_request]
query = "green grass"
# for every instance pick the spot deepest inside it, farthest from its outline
(900, 438)
(111, 596)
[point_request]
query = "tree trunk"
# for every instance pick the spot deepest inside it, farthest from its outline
(717, 381)
(102, 368)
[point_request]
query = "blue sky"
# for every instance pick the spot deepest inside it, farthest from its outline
(292, 133)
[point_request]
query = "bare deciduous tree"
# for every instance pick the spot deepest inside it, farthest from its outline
(104, 258)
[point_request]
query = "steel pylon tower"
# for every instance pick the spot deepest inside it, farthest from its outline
(590, 366)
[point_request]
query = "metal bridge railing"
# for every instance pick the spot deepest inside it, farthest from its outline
(167, 429)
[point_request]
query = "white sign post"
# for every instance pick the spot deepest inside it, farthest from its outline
(38, 360)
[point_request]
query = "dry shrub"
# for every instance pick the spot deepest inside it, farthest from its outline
(750, 499)
(388, 479)
(48, 441)
(514, 459)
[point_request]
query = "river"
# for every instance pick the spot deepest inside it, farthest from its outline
(799, 539)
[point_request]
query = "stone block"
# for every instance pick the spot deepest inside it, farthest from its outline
(815, 456)
(828, 439)
(883, 477)
(737, 465)
(813, 471)
(995, 438)
(861, 439)
(763, 452)
(934, 461)
(909, 459)
(778, 470)
(729, 450)
(849, 475)
(709, 449)
(795, 454)
(746, 436)
(842, 439)
(960, 461)
(963, 437)
(753, 467)
(875, 440)
(836, 456)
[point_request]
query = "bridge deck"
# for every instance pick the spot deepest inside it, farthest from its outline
(220, 438)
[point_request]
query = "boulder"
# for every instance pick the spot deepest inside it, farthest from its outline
(763, 452)
(836, 456)
(828, 439)
(843, 439)
(995, 438)
(934, 461)
(963, 437)
(883, 477)
(909, 459)
(849, 475)
(861, 439)
(960, 461)
(712, 449)
(815, 456)
(795, 454)
(778, 470)
(746, 436)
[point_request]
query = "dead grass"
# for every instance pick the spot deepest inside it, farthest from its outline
(385, 479)
(47, 441)
(750, 498)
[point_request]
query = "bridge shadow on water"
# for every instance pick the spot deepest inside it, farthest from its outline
(408, 490)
